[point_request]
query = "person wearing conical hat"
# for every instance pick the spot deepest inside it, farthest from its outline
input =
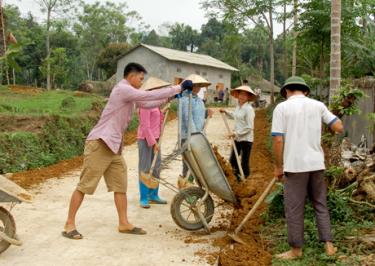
(149, 128)
(243, 133)
(299, 157)
(199, 114)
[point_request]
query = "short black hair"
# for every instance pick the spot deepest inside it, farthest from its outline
(296, 87)
(133, 67)
(245, 81)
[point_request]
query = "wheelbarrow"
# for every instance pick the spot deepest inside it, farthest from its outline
(192, 208)
(13, 194)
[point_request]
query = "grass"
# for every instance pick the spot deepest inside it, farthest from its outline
(45, 103)
(346, 220)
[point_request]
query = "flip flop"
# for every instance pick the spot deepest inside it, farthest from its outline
(134, 231)
(74, 234)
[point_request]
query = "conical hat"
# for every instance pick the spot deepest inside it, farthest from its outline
(234, 92)
(154, 83)
(196, 79)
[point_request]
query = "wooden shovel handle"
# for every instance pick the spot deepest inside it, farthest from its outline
(256, 205)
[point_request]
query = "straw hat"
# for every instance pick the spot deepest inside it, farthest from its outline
(154, 83)
(235, 92)
(198, 80)
(296, 83)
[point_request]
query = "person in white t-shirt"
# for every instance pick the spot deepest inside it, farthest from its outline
(296, 131)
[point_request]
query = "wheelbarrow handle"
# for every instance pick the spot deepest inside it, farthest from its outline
(10, 240)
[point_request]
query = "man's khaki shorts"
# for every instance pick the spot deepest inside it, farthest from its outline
(98, 161)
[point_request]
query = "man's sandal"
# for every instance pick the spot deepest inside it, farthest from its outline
(74, 234)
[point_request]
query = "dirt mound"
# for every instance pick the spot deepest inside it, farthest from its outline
(25, 89)
(33, 177)
(255, 253)
(13, 123)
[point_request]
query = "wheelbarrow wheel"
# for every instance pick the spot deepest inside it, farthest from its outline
(183, 208)
(7, 226)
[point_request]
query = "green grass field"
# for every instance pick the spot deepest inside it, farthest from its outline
(45, 103)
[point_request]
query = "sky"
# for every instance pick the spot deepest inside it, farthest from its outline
(153, 12)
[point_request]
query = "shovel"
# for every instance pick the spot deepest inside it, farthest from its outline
(242, 176)
(147, 178)
(234, 235)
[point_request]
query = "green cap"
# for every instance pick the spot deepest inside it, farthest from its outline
(294, 83)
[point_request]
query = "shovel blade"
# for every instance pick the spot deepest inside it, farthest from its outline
(237, 238)
(148, 180)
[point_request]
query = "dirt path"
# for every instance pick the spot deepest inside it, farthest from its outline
(39, 224)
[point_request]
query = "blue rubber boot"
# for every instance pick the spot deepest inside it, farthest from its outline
(154, 197)
(144, 192)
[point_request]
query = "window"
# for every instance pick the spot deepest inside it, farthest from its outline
(221, 76)
(197, 72)
(178, 69)
(204, 73)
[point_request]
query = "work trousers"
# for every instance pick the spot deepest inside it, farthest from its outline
(297, 187)
(244, 150)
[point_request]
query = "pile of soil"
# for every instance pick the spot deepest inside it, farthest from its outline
(25, 89)
(256, 252)
(34, 177)
(16, 123)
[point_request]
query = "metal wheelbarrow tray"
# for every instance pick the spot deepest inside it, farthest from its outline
(202, 156)
(193, 208)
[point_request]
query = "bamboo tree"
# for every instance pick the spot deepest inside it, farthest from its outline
(295, 22)
(335, 64)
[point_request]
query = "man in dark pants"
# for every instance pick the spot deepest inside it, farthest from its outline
(296, 131)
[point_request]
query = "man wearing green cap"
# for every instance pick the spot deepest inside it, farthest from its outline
(296, 131)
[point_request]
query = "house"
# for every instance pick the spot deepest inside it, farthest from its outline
(173, 66)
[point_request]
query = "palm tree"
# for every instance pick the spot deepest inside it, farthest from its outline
(335, 64)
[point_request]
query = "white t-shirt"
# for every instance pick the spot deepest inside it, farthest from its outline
(299, 120)
(201, 93)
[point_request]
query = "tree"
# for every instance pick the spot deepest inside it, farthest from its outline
(50, 6)
(335, 64)
(242, 13)
(97, 26)
(183, 37)
(295, 22)
(109, 55)
(58, 63)
(313, 39)
(152, 38)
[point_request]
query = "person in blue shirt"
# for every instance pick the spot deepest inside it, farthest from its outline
(199, 114)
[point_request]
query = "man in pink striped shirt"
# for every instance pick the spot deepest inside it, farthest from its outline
(102, 153)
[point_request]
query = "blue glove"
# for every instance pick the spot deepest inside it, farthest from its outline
(178, 96)
(187, 85)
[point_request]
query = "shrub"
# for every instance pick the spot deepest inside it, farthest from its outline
(60, 138)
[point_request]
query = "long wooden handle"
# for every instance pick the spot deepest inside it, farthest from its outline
(242, 176)
(256, 205)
